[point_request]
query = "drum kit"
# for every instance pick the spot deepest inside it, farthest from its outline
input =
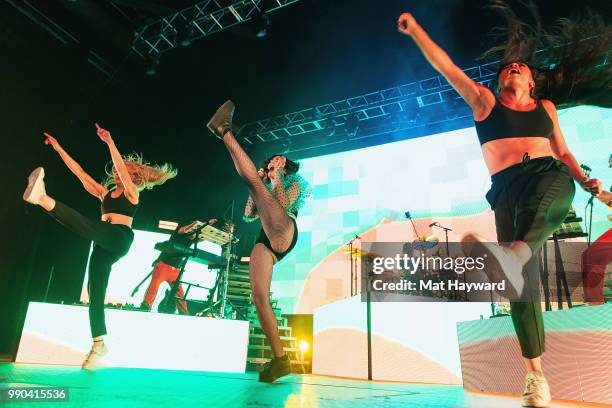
(423, 246)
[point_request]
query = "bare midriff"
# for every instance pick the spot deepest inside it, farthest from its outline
(119, 219)
(502, 153)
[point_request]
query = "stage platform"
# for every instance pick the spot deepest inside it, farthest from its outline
(136, 388)
(59, 334)
(577, 361)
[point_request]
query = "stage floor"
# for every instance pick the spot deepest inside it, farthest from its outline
(122, 387)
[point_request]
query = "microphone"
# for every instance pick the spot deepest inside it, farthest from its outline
(590, 202)
(407, 214)
(586, 169)
(357, 237)
(433, 223)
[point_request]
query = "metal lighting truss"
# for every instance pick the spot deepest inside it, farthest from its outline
(204, 18)
(404, 98)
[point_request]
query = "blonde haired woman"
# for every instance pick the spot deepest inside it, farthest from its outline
(112, 234)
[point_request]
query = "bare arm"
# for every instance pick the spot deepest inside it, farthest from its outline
(90, 185)
(131, 191)
(606, 198)
(477, 96)
(562, 152)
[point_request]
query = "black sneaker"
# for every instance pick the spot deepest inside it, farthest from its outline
(277, 367)
(221, 122)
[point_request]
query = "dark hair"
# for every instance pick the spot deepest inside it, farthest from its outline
(569, 65)
(291, 167)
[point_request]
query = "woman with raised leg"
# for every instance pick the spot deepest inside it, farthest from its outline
(276, 194)
(112, 234)
(532, 170)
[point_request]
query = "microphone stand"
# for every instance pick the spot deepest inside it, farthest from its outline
(353, 266)
(589, 203)
(435, 224)
(407, 214)
(587, 173)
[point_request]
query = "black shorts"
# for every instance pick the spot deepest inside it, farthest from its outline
(263, 238)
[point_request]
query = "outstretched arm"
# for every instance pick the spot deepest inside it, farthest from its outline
(477, 96)
(606, 198)
(131, 191)
(88, 182)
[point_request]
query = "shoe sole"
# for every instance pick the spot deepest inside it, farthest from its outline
(536, 405)
(493, 269)
(98, 362)
(270, 380)
(221, 108)
(34, 180)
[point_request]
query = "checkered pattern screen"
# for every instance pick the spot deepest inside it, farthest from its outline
(441, 175)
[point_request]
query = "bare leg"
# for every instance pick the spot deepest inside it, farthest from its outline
(275, 222)
(533, 364)
(260, 271)
(47, 203)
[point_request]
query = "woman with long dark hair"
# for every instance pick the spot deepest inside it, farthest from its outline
(532, 170)
(112, 234)
(276, 193)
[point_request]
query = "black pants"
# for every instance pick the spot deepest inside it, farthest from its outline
(111, 242)
(530, 201)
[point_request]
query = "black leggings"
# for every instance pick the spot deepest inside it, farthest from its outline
(530, 201)
(111, 242)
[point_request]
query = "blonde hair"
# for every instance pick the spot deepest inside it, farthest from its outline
(143, 174)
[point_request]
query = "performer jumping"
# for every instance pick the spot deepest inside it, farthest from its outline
(277, 193)
(530, 164)
(112, 235)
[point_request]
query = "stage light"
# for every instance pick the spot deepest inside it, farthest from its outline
(151, 64)
(262, 23)
(304, 346)
(184, 33)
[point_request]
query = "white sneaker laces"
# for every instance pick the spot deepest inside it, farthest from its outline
(531, 385)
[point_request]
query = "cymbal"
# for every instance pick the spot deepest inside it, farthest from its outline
(359, 253)
(426, 242)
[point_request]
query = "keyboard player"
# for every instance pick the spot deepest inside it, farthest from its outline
(167, 266)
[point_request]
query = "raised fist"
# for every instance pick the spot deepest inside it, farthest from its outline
(406, 23)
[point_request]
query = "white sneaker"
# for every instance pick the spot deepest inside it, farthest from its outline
(501, 264)
(537, 392)
(36, 186)
(95, 358)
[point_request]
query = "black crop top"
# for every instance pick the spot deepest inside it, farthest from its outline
(504, 122)
(120, 205)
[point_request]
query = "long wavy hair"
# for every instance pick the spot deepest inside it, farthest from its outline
(143, 174)
(570, 63)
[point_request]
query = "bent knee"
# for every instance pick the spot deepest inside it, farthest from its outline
(261, 298)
